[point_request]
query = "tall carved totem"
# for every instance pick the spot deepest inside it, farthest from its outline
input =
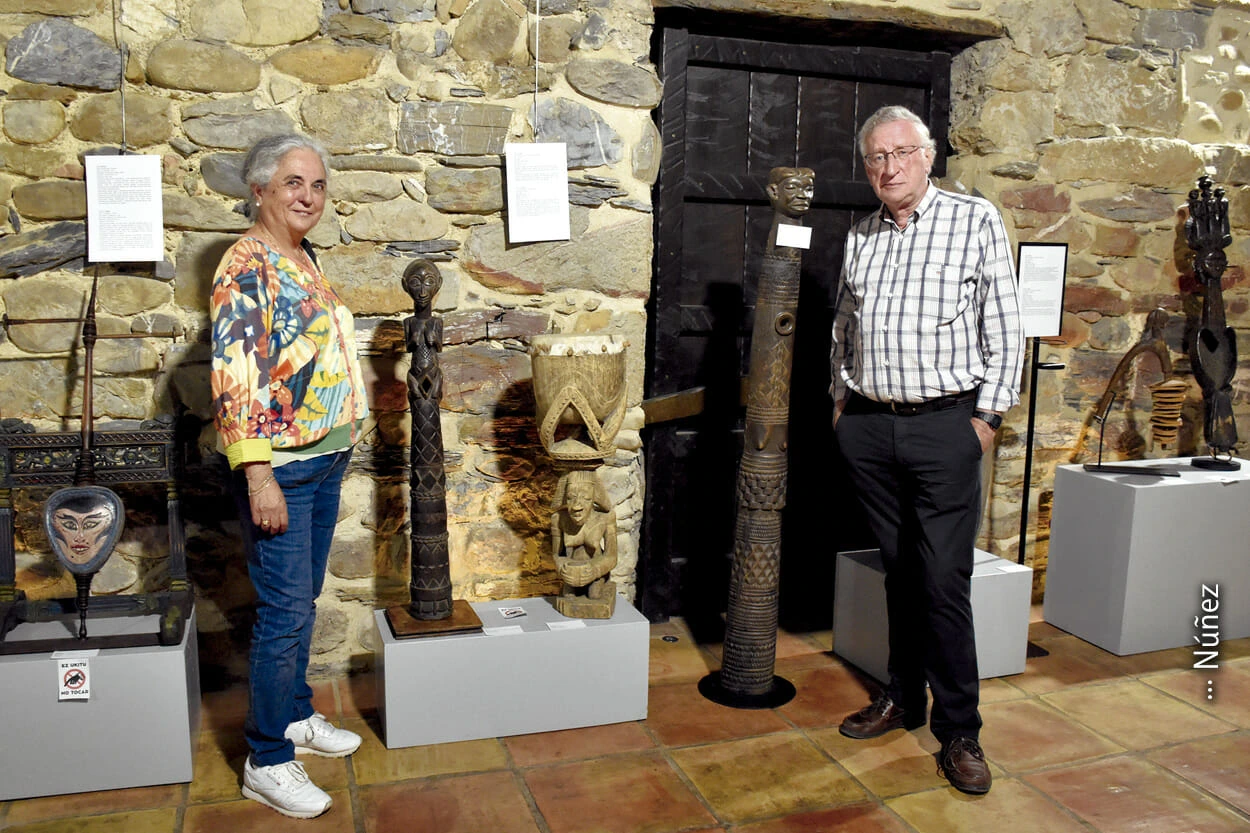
(430, 583)
(1215, 347)
(746, 678)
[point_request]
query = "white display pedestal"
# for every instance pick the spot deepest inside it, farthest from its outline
(535, 673)
(1129, 555)
(1001, 592)
(138, 728)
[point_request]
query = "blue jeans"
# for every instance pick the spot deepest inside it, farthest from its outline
(288, 571)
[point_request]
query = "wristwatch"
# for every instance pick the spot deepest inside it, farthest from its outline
(989, 417)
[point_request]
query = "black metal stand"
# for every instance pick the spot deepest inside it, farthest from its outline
(1034, 366)
(1215, 464)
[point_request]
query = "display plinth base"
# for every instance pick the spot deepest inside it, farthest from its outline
(539, 672)
(138, 728)
(1215, 464)
(406, 626)
(1001, 596)
(1129, 556)
(780, 692)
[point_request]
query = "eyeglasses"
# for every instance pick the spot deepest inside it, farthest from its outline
(877, 160)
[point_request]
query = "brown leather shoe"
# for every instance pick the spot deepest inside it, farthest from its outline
(963, 764)
(878, 717)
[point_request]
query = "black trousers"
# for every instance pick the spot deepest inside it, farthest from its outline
(919, 480)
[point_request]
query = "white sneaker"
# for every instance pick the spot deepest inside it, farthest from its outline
(285, 788)
(318, 736)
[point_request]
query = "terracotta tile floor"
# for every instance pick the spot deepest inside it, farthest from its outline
(1083, 741)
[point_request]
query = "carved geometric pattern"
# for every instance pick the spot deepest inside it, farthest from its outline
(429, 482)
(777, 374)
(761, 491)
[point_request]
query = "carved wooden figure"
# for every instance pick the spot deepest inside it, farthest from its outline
(430, 584)
(1215, 347)
(746, 676)
(583, 541)
(579, 404)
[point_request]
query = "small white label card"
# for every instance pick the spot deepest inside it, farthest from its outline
(124, 209)
(794, 237)
(511, 612)
(538, 191)
(566, 624)
(73, 677)
(502, 630)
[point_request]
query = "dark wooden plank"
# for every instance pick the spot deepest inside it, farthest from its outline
(826, 128)
(773, 140)
(712, 248)
(656, 577)
(893, 65)
(830, 192)
(663, 306)
(938, 106)
(718, 106)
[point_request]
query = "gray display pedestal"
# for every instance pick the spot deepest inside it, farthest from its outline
(138, 728)
(534, 673)
(1001, 593)
(1129, 555)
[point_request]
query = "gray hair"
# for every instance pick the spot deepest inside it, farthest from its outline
(263, 159)
(892, 113)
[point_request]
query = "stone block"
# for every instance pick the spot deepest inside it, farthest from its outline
(453, 127)
(202, 67)
(326, 62)
(55, 51)
(33, 122)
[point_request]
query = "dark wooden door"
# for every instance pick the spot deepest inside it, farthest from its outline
(733, 109)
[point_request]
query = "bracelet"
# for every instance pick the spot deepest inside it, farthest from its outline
(253, 492)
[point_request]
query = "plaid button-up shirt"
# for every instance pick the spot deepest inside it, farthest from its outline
(931, 309)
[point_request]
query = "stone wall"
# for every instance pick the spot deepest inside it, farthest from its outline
(415, 100)
(1088, 121)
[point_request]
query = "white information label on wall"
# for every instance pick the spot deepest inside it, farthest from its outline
(1042, 270)
(124, 210)
(73, 678)
(538, 191)
(794, 237)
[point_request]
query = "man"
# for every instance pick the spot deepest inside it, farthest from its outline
(926, 357)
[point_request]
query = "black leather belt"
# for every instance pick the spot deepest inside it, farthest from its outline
(864, 405)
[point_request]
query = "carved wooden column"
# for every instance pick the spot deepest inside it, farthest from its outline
(746, 677)
(431, 609)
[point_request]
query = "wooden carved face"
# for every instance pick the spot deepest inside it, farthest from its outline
(83, 524)
(422, 280)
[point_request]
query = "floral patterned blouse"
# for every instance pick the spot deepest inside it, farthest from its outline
(284, 369)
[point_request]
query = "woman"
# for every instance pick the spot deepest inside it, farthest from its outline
(288, 399)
